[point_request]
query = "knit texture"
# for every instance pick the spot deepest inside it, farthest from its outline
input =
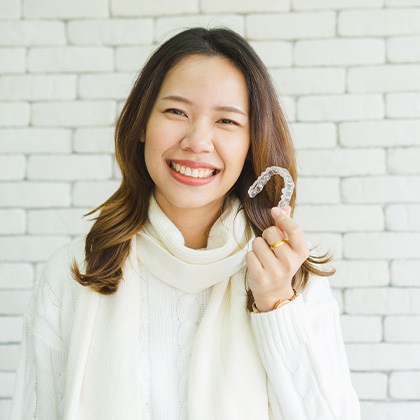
(299, 345)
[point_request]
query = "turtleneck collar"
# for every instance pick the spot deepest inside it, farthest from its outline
(161, 248)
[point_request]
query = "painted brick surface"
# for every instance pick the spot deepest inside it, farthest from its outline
(347, 76)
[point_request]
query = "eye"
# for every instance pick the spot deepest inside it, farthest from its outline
(229, 122)
(175, 111)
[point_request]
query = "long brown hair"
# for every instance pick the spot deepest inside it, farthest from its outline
(124, 213)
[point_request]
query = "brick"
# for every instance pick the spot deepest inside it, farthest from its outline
(291, 25)
(16, 276)
(401, 3)
(389, 78)
(63, 9)
(404, 160)
(11, 329)
(37, 87)
(334, 4)
(339, 52)
(361, 273)
(378, 22)
(29, 248)
(405, 49)
(340, 107)
(35, 140)
(385, 301)
(383, 356)
(274, 53)
(308, 81)
(132, 58)
(321, 243)
(370, 386)
(32, 33)
(12, 60)
(145, 8)
(217, 6)
(70, 59)
(90, 194)
(379, 133)
(318, 190)
(405, 272)
(363, 329)
(10, 9)
(403, 329)
(340, 218)
(405, 385)
(73, 113)
(111, 32)
(72, 167)
(387, 245)
(12, 167)
(35, 194)
(9, 356)
(313, 136)
(14, 302)
(377, 189)
(14, 114)
(400, 105)
(12, 221)
(288, 106)
(69, 221)
(166, 27)
(7, 381)
(341, 162)
(94, 140)
(106, 86)
(403, 217)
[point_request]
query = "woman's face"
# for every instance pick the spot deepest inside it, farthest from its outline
(197, 136)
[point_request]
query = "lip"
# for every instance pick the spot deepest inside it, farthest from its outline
(193, 164)
(188, 180)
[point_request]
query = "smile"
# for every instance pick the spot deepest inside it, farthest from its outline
(193, 172)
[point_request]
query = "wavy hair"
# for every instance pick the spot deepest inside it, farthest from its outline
(123, 214)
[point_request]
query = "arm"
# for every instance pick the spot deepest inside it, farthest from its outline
(302, 350)
(39, 383)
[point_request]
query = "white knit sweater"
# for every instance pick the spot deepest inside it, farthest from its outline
(306, 376)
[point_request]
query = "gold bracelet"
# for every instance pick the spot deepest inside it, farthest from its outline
(277, 305)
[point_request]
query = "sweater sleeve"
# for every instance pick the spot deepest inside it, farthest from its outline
(40, 376)
(302, 350)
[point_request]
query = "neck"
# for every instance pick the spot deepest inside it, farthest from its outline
(194, 223)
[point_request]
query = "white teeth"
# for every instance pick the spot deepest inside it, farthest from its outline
(195, 173)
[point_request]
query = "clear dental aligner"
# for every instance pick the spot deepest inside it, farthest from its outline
(287, 191)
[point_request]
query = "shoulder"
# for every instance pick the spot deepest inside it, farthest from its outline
(60, 260)
(55, 283)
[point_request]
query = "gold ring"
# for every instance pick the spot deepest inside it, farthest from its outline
(278, 243)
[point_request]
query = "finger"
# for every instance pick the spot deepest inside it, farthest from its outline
(295, 236)
(268, 259)
(273, 234)
(254, 265)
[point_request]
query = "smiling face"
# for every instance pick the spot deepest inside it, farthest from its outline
(197, 136)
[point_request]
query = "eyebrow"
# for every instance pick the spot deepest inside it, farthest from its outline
(218, 108)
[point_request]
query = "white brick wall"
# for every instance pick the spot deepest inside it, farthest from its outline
(347, 73)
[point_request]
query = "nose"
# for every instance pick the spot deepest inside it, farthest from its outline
(198, 139)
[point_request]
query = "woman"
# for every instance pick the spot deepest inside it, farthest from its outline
(187, 298)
